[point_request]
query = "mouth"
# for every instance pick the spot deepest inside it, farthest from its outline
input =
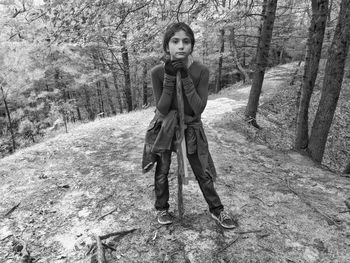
(180, 53)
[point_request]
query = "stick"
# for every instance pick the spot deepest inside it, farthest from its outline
(117, 233)
(100, 251)
(109, 247)
(108, 213)
(228, 245)
(180, 149)
(12, 209)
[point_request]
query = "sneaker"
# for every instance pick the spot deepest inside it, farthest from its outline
(225, 220)
(164, 218)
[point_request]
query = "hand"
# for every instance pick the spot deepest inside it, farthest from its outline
(169, 68)
(179, 65)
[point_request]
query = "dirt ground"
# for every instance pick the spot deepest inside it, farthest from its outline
(59, 195)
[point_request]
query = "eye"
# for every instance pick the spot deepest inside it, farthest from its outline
(174, 40)
(187, 41)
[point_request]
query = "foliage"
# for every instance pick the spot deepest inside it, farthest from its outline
(63, 58)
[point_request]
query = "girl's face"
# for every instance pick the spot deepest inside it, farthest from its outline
(180, 46)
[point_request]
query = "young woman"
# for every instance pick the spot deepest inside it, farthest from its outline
(178, 43)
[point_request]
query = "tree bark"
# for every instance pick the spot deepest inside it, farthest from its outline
(347, 169)
(144, 86)
(218, 84)
(9, 120)
(101, 107)
(109, 97)
(78, 113)
(332, 83)
(127, 88)
(119, 99)
(313, 55)
(235, 56)
(261, 63)
(88, 107)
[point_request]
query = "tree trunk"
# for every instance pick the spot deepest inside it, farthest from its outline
(261, 63)
(144, 86)
(135, 92)
(218, 84)
(109, 97)
(313, 55)
(235, 56)
(9, 120)
(99, 97)
(332, 83)
(119, 99)
(88, 104)
(127, 88)
(262, 21)
(347, 169)
(78, 113)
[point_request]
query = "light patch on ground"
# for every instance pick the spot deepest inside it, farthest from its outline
(217, 107)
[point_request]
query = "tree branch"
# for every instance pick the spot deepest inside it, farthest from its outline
(178, 11)
(19, 11)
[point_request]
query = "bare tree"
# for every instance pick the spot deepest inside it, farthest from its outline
(313, 55)
(261, 62)
(9, 119)
(235, 56)
(218, 84)
(332, 83)
(144, 86)
(126, 69)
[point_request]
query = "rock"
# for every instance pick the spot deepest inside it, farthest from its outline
(311, 255)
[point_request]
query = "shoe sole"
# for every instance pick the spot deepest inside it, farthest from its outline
(165, 223)
(224, 226)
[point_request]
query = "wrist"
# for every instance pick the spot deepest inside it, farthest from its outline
(184, 73)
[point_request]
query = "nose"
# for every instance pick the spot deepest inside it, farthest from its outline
(181, 44)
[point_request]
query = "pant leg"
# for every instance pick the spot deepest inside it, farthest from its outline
(206, 184)
(161, 183)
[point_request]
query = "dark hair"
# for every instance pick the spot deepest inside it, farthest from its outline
(172, 29)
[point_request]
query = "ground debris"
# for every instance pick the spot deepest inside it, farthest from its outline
(98, 249)
(19, 247)
(12, 210)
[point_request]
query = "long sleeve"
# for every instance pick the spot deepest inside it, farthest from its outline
(163, 89)
(197, 97)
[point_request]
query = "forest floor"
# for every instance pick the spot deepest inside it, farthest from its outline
(59, 195)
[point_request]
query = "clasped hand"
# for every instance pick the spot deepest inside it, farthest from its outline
(173, 66)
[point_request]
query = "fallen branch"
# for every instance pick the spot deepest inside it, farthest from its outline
(345, 211)
(109, 247)
(10, 235)
(108, 213)
(121, 233)
(228, 245)
(329, 220)
(12, 209)
(99, 250)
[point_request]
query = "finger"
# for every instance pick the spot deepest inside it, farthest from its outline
(177, 64)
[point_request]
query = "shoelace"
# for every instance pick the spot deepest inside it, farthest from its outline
(224, 215)
(163, 213)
